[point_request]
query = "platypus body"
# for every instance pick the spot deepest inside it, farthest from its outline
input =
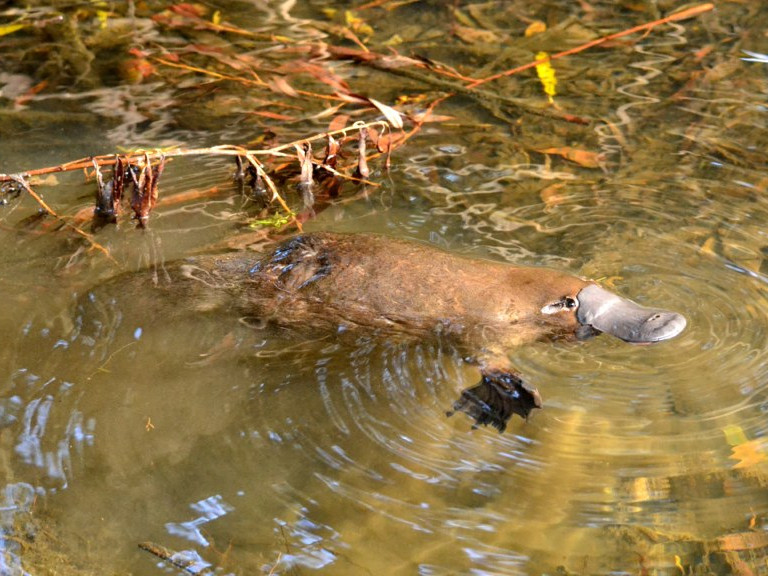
(347, 283)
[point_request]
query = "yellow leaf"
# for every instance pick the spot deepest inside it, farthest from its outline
(102, 16)
(410, 99)
(546, 75)
(395, 40)
(350, 18)
(10, 28)
(749, 454)
(275, 221)
(357, 24)
(49, 180)
(709, 248)
(734, 435)
(216, 18)
(535, 27)
(746, 452)
(679, 564)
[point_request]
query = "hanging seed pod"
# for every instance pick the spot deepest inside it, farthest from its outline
(362, 164)
(105, 204)
(306, 183)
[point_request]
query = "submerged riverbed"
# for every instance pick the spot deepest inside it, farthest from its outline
(230, 449)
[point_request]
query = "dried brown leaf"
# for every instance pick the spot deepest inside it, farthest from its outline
(743, 541)
(428, 116)
(535, 27)
(273, 115)
(386, 142)
(475, 36)
(584, 158)
(362, 165)
(280, 85)
(339, 121)
(189, 9)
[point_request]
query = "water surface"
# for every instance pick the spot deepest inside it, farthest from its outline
(249, 451)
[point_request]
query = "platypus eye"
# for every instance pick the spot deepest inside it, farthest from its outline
(565, 303)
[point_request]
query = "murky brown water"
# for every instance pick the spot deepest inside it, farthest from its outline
(255, 452)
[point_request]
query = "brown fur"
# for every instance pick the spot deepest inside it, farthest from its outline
(361, 282)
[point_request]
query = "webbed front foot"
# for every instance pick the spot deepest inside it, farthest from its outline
(497, 396)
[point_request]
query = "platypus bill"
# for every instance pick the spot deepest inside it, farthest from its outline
(342, 283)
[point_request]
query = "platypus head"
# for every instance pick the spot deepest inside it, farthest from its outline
(612, 314)
(597, 310)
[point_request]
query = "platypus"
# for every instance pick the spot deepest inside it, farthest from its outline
(348, 283)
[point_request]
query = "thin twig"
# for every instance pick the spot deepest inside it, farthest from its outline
(271, 185)
(223, 150)
(276, 564)
(246, 81)
(23, 182)
(682, 15)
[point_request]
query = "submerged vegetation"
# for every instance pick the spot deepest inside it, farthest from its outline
(194, 54)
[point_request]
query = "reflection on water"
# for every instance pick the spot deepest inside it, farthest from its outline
(238, 450)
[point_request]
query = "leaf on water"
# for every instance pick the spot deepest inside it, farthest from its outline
(50, 180)
(280, 85)
(276, 221)
(475, 36)
(535, 27)
(679, 564)
(385, 142)
(552, 195)
(734, 435)
(743, 541)
(394, 40)
(404, 99)
(708, 248)
(357, 24)
(329, 111)
(583, 158)
(429, 116)
(102, 16)
(392, 115)
(11, 28)
(273, 115)
(135, 70)
(189, 9)
(748, 454)
(547, 76)
(339, 121)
